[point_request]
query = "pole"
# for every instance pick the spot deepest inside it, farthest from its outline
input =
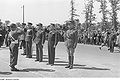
(23, 15)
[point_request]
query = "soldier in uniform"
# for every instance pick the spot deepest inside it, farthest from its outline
(105, 39)
(6, 36)
(13, 45)
(28, 40)
(112, 40)
(2, 34)
(39, 41)
(71, 39)
(22, 40)
(52, 43)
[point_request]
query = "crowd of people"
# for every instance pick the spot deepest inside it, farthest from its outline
(17, 35)
(109, 38)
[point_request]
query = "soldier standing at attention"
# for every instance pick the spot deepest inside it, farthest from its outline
(13, 45)
(39, 41)
(28, 39)
(52, 43)
(22, 39)
(71, 39)
(112, 40)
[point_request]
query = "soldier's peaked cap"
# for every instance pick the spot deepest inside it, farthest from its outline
(23, 23)
(13, 25)
(29, 23)
(40, 24)
(52, 24)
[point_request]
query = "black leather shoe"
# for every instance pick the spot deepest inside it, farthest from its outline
(36, 60)
(14, 69)
(51, 64)
(47, 64)
(23, 54)
(40, 60)
(67, 66)
(28, 57)
(71, 67)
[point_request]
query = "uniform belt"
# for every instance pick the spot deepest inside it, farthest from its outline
(14, 42)
(28, 35)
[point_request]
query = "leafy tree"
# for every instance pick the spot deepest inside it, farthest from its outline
(89, 15)
(104, 11)
(73, 11)
(115, 5)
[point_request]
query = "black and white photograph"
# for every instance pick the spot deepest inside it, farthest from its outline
(59, 39)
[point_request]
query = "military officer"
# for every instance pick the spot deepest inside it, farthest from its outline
(28, 40)
(22, 39)
(71, 39)
(52, 43)
(13, 45)
(6, 36)
(112, 40)
(39, 41)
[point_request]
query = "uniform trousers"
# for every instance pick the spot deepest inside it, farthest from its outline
(51, 52)
(13, 54)
(23, 44)
(6, 40)
(39, 52)
(111, 45)
(29, 49)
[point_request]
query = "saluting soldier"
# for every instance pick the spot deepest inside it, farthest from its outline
(52, 43)
(28, 40)
(13, 45)
(39, 41)
(71, 39)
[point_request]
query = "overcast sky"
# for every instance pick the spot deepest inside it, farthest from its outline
(44, 11)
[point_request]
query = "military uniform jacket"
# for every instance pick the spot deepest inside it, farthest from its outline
(22, 37)
(40, 37)
(112, 37)
(29, 35)
(71, 37)
(53, 37)
(14, 35)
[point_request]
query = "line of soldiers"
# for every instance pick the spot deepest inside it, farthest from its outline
(25, 35)
(4, 30)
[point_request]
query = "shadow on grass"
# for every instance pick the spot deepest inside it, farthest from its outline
(47, 58)
(67, 64)
(35, 54)
(5, 73)
(22, 70)
(90, 68)
(34, 57)
(34, 69)
(57, 61)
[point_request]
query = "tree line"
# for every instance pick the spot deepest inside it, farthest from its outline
(109, 15)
